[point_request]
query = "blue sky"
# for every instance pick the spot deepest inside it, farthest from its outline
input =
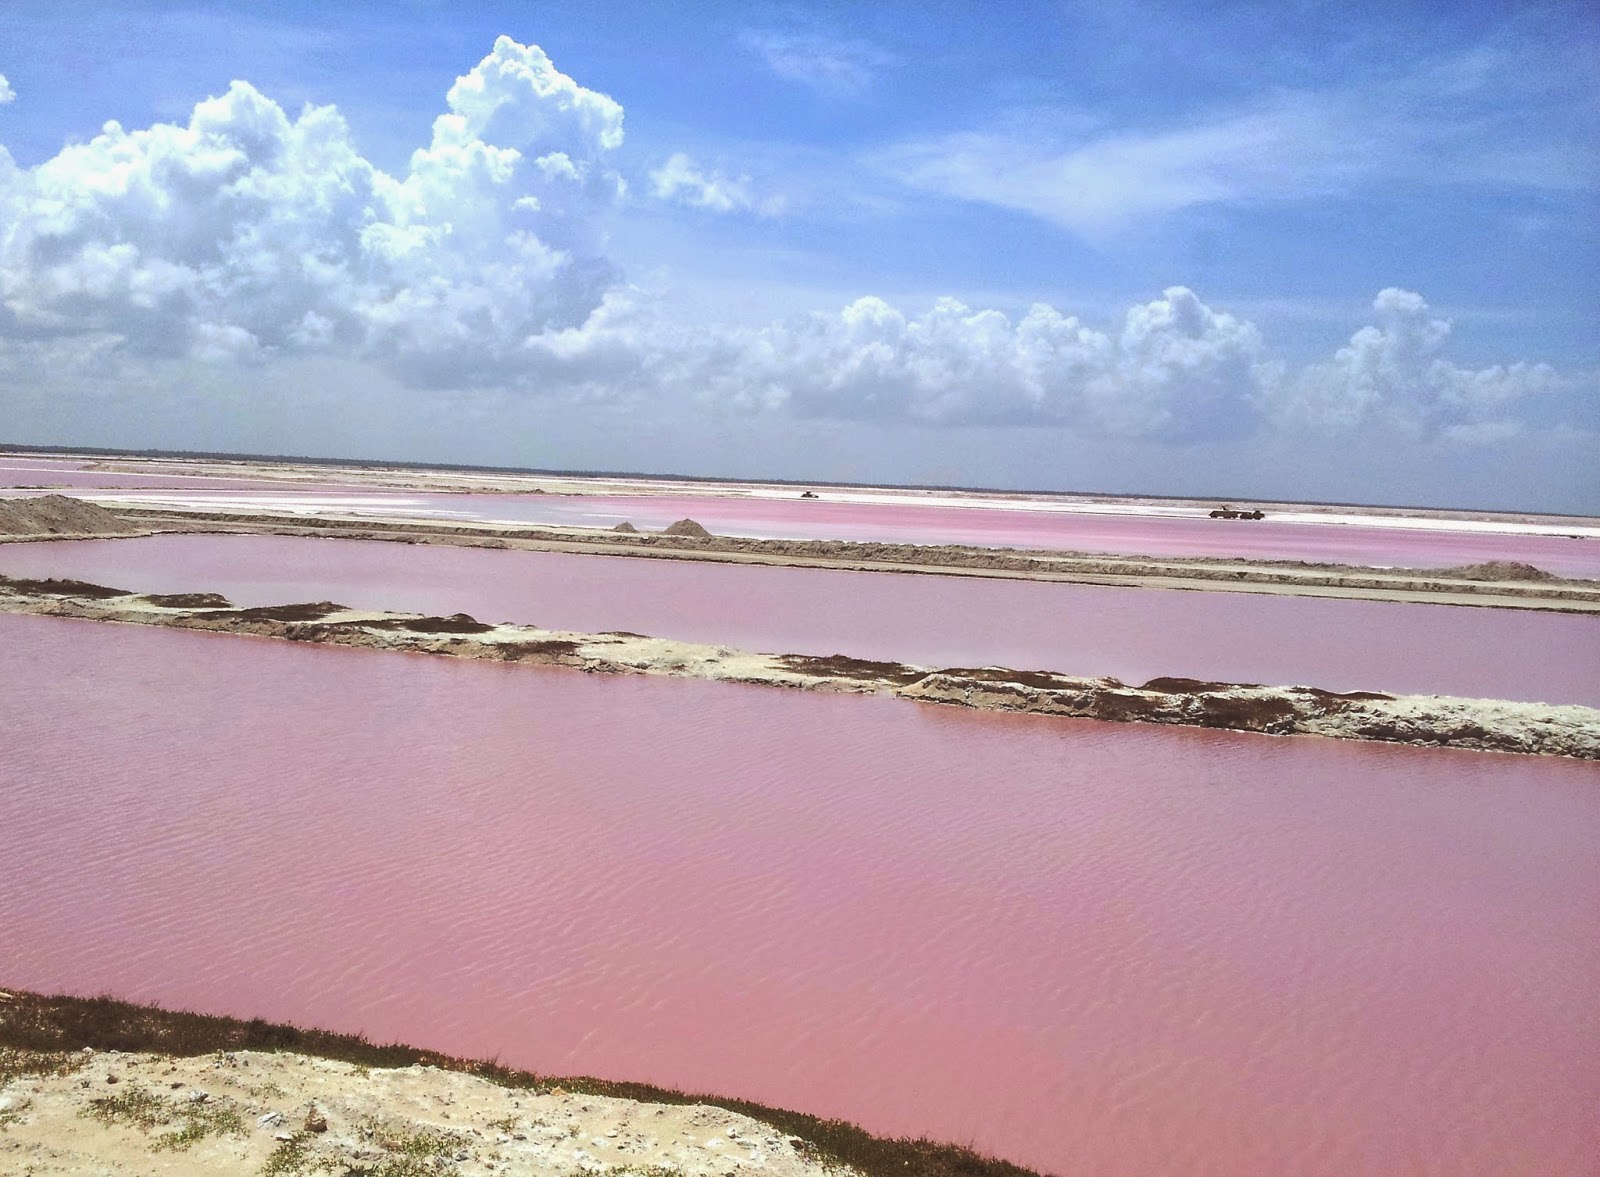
(1345, 251)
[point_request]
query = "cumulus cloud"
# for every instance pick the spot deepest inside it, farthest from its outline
(1175, 368)
(1393, 373)
(7, 94)
(681, 181)
(1171, 370)
(247, 233)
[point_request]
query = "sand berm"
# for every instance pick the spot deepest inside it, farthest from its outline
(1483, 724)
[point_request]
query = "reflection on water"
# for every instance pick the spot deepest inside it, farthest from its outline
(1101, 949)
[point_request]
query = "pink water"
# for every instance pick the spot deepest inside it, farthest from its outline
(1099, 949)
(74, 475)
(1132, 634)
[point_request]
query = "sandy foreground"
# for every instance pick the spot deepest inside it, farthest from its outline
(249, 1112)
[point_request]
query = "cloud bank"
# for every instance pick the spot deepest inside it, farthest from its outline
(247, 236)
(7, 94)
(246, 233)
(1174, 369)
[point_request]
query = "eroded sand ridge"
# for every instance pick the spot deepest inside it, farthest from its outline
(1484, 724)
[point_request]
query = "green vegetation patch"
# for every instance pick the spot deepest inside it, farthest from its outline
(296, 1157)
(149, 1111)
(404, 1153)
(16, 1062)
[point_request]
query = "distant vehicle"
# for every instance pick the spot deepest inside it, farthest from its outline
(809, 494)
(1230, 513)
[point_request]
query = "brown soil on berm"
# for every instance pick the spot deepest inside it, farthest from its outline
(687, 528)
(59, 515)
(1501, 570)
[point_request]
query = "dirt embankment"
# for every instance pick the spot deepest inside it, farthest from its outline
(1484, 724)
(47, 516)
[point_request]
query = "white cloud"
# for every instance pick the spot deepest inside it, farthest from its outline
(1176, 369)
(1393, 374)
(1104, 184)
(247, 234)
(1450, 124)
(1172, 370)
(7, 94)
(833, 67)
(681, 181)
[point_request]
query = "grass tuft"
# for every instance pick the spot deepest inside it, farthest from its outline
(148, 1111)
(16, 1062)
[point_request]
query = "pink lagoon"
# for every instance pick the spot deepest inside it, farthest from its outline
(1094, 949)
(1130, 633)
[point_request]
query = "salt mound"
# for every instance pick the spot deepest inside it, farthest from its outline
(687, 527)
(626, 528)
(58, 515)
(1503, 570)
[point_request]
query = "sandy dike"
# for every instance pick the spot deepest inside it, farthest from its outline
(1505, 585)
(1483, 724)
(248, 1112)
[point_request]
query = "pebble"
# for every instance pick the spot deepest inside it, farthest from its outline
(270, 1120)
